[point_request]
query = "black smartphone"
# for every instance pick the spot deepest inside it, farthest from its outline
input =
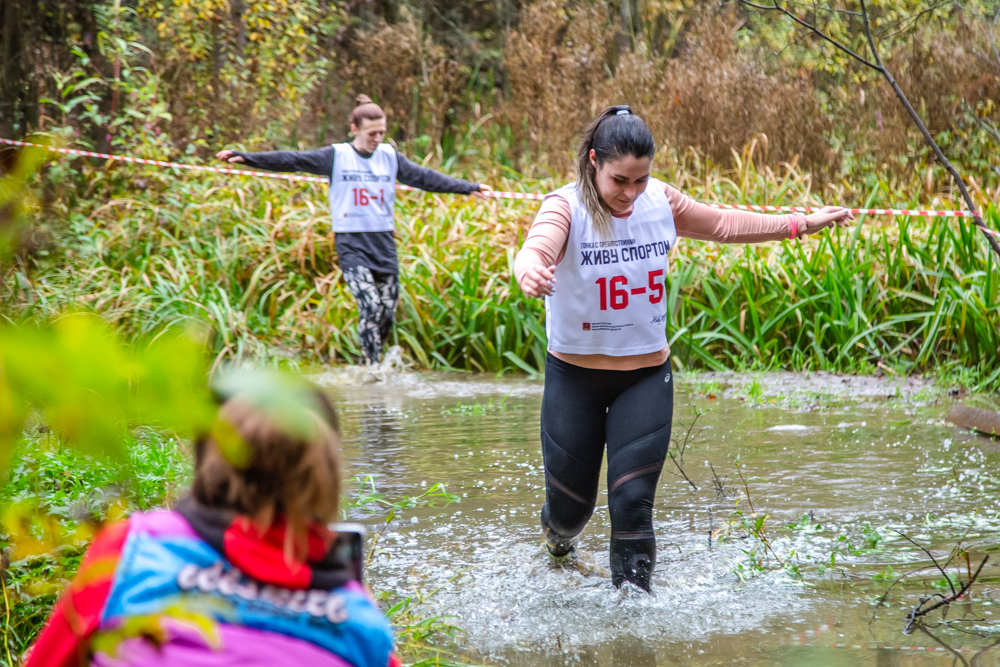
(349, 547)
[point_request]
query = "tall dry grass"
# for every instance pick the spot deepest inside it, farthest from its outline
(715, 91)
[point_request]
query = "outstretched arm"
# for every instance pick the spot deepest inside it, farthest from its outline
(318, 161)
(704, 223)
(428, 180)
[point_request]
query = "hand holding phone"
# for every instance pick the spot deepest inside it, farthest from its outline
(349, 548)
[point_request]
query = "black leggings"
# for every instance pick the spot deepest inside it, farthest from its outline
(631, 411)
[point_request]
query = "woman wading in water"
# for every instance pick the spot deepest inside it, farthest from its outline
(597, 252)
(363, 177)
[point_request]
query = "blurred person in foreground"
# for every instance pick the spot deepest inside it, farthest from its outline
(243, 570)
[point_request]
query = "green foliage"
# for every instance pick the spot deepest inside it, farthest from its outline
(255, 261)
(241, 68)
(16, 199)
(55, 498)
(368, 499)
(918, 296)
(89, 386)
(419, 637)
(478, 409)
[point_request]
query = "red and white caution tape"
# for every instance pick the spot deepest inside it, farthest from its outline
(161, 163)
(856, 211)
(495, 194)
(881, 647)
(499, 195)
(224, 170)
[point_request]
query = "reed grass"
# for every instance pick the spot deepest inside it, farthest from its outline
(255, 259)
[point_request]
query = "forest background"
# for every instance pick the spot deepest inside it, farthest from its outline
(746, 106)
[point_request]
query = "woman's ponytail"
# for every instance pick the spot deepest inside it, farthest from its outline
(617, 132)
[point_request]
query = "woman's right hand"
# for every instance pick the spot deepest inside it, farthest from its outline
(539, 281)
(228, 156)
(828, 216)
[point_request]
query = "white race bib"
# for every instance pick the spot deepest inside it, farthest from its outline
(610, 294)
(363, 190)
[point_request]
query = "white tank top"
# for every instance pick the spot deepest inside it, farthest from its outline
(363, 190)
(610, 295)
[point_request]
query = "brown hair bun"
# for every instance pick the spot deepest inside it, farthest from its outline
(365, 109)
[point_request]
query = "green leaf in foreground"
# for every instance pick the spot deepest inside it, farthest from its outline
(88, 386)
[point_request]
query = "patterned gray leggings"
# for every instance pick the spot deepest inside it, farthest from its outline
(377, 295)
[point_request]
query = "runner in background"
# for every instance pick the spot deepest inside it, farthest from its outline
(363, 177)
(597, 252)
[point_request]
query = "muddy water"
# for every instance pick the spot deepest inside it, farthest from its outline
(860, 458)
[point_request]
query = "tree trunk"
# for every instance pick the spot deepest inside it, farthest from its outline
(628, 30)
(13, 79)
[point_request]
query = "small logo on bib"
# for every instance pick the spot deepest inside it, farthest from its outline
(586, 326)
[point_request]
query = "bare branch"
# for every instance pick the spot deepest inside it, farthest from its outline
(901, 96)
(746, 487)
(885, 596)
(933, 560)
(684, 474)
(720, 488)
(687, 436)
(816, 31)
(678, 459)
(943, 645)
(919, 611)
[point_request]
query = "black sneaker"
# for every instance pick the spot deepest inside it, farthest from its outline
(633, 561)
(557, 544)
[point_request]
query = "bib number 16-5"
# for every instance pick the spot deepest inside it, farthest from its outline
(616, 290)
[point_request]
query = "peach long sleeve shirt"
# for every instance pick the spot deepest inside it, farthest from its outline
(546, 245)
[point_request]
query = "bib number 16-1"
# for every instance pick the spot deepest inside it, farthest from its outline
(616, 290)
(363, 197)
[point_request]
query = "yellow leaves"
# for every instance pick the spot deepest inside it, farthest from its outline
(34, 534)
(231, 444)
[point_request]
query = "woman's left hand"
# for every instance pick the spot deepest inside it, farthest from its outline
(484, 192)
(828, 216)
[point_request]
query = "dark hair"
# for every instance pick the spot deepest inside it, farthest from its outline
(617, 132)
(365, 109)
